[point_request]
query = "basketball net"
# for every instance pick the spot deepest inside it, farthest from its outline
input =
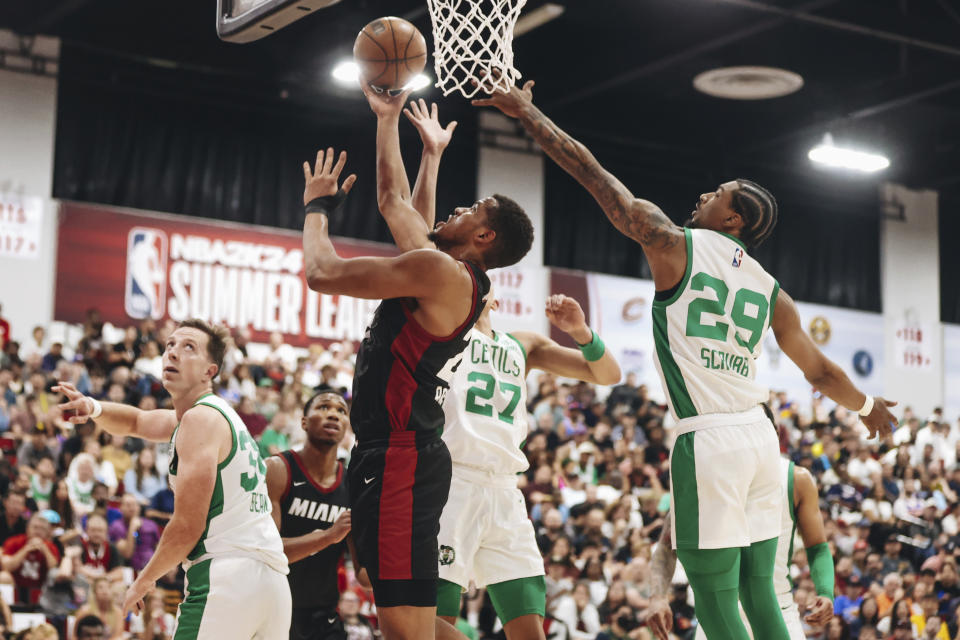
(473, 40)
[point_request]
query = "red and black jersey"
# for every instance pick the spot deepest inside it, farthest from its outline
(403, 372)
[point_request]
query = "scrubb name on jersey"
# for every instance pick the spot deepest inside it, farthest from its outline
(315, 510)
(713, 359)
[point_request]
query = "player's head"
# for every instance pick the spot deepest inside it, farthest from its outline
(740, 207)
(496, 229)
(325, 419)
(193, 355)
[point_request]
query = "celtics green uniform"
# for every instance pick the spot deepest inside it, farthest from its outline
(236, 573)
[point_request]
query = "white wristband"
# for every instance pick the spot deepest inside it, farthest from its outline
(97, 408)
(867, 407)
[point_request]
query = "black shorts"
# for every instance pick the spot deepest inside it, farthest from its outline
(397, 493)
(316, 624)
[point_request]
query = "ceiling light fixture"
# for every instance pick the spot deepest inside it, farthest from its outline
(347, 73)
(417, 82)
(748, 83)
(827, 154)
(537, 18)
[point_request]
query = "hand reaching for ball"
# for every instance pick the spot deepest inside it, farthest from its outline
(435, 136)
(512, 103)
(324, 179)
(382, 103)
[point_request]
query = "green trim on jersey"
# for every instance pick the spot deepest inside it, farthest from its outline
(773, 302)
(233, 434)
(688, 236)
(519, 344)
(683, 474)
(191, 609)
(676, 387)
(735, 239)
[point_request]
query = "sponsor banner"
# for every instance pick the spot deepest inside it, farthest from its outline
(132, 266)
(951, 370)
(21, 221)
(520, 292)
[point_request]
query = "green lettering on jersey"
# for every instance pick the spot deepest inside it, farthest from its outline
(480, 396)
(258, 468)
(754, 324)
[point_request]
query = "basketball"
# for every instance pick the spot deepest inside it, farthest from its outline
(390, 52)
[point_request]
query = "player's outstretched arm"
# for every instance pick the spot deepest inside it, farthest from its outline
(419, 274)
(435, 138)
(639, 219)
(119, 419)
(591, 363)
(810, 524)
(823, 373)
(299, 547)
(663, 564)
(198, 451)
(407, 225)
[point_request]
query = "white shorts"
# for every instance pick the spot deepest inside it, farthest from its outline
(485, 533)
(726, 485)
(237, 598)
(791, 616)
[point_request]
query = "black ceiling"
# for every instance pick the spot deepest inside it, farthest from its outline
(883, 74)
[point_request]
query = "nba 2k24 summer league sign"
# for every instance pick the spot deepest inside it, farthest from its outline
(132, 266)
(21, 219)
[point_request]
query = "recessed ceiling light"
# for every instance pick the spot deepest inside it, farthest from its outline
(748, 83)
(347, 73)
(830, 155)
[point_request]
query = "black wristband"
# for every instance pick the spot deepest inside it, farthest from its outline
(327, 204)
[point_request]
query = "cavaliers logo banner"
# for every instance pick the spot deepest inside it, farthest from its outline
(132, 266)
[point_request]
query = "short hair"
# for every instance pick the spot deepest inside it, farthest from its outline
(90, 621)
(216, 339)
(758, 208)
(514, 233)
(314, 397)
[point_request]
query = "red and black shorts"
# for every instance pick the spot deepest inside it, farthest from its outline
(398, 490)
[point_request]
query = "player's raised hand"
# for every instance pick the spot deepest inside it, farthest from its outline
(435, 136)
(382, 103)
(324, 179)
(511, 103)
(880, 421)
(566, 314)
(80, 405)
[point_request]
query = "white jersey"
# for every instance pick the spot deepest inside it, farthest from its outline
(709, 333)
(239, 523)
(788, 530)
(485, 409)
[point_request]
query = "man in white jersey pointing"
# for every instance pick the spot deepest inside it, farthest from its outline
(485, 533)
(221, 529)
(713, 306)
(800, 512)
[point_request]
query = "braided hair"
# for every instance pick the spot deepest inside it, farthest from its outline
(758, 208)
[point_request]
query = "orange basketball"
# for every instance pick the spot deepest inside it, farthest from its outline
(390, 52)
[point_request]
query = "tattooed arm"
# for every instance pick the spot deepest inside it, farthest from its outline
(638, 219)
(662, 565)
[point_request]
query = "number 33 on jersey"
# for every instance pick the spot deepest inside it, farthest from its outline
(709, 333)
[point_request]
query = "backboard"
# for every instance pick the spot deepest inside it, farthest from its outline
(249, 20)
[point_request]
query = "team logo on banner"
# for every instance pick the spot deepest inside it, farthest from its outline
(820, 330)
(146, 283)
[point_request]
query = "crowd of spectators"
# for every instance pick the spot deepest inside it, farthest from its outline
(82, 511)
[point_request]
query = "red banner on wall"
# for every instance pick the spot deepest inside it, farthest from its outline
(132, 266)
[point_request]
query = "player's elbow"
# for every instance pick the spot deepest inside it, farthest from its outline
(610, 375)
(321, 277)
(390, 203)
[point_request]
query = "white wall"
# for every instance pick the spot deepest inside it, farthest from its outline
(910, 276)
(27, 124)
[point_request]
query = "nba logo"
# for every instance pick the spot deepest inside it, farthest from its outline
(146, 284)
(737, 257)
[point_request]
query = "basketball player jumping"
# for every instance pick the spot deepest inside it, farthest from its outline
(485, 533)
(399, 475)
(311, 507)
(713, 306)
(221, 528)
(800, 511)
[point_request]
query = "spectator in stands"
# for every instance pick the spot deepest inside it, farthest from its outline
(281, 360)
(355, 625)
(143, 480)
(100, 603)
(12, 522)
(4, 330)
(99, 556)
(43, 482)
(847, 604)
(90, 627)
(80, 481)
(578, 613)
(59, 598)
(149, 367)
(103, 470)
(113, 451)
(37, 447)
(153, 623)
(892, 562)
(135, 537)
(161, 506)
(28, 557)
(36, 345)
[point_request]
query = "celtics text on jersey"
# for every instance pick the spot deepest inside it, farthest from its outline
(709, 333)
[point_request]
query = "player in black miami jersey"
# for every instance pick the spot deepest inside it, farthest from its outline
(311, 507)
(399, 474)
